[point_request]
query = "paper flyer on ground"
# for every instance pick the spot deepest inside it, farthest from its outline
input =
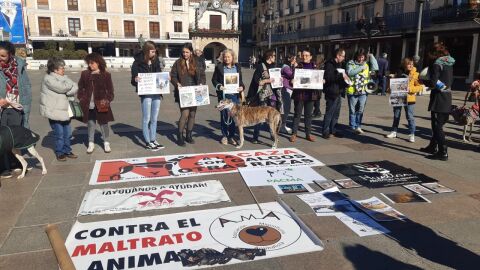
(331, 202)
(158, 167)
(419, 189)
(292, 188)
(189, 240)
(404, 197)
(276, 77)
(153, 83)
(379, 210)
(399, 92)
(142, 198)
(438, 188)
(347, 183)
(327, 184)
(308, 79)
(279, 175)
(231, 82)
(191, 96)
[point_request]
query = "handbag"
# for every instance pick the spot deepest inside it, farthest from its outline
(74, 110)
(102, 105)
(266, 90)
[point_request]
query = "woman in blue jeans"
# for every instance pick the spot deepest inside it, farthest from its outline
(228, 65)
(147, 61)
(409, 71)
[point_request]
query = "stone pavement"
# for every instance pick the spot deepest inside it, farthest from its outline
(444, 234)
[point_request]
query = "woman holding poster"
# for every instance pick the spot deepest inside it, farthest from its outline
(185, 73)
(147, 61)
(95, 93)
(304, 99)
(409, 71)
(228, 66)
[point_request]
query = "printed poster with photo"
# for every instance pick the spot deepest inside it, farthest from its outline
(191, 96)
(187, 165)
(404, 197)
(142, 198)
(231, 82)
(308, 79)
(293, 188)
(190, 240)
(379, 210)
(331, 202)
(379, 174)
(399, 92)
(276, 77)
(419, 189)
(153, 83)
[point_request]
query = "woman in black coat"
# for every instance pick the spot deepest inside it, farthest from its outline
(186, 72)
(229, 65)
(440, 70)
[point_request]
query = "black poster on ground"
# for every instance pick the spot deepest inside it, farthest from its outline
(379, 174)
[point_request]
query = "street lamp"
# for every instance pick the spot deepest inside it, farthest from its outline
(371, 28)
(416, 58)
(271, 19)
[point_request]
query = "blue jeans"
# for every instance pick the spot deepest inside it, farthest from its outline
(227, 125)
(150, 109)
(62, 133)
(356, 106)
(332, 112)
(409, 110)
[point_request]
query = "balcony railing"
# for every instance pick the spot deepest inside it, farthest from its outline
(465, 12)
(97, 34)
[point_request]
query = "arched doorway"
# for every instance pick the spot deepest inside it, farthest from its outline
(213, 50)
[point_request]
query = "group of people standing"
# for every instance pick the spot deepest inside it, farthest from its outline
(95, 92)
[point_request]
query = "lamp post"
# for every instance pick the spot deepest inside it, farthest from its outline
(416, 58)
(371, 28)
(271, 19)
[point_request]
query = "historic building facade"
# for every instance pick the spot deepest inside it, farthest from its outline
(110, 27)
(383, 25)
(214, 26)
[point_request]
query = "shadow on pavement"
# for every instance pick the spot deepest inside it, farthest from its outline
(365, 258)
(131, 132)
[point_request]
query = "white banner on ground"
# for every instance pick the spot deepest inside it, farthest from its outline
(308, 79)
(191, 96)
(145, 168)
(153, 83)
(141, 198)
(189, 240)
(331, 202)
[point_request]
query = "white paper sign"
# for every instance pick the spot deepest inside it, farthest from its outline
(153, 83)
(231, 82)
(308, 79)
(141, 198)
(379, 210)
(276, 77)
(347, 79)
(399, 92)
(279, 175)
(191, 96)
(189, 240)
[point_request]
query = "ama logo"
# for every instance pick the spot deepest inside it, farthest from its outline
(249, 228)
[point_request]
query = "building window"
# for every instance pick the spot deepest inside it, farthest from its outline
(312, 21)
(177, 27)
(215, 21)
(177, 3)
(101, 5)
(72, 4)
(45, 26)
(154, 29)
(73, 26)
(394, 8)
(102, 25)
(42, 4)
(129, 28)
(128, 6)
(368, 11)
(328, 18)
(153, 7)
(348, 15)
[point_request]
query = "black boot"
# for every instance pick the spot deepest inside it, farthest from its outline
(180, 140)
(189, 138)
(431, 148)
(441, 154)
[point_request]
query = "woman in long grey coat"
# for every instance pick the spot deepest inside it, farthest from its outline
(56, 91)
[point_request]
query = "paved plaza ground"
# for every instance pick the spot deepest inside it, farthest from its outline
(443, 234)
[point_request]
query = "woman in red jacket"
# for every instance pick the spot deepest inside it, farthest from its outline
(95, 93)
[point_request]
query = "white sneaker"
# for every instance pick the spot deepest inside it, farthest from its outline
(224, 141)
(392, 135)
(411, 138)
(359, 131)
(91, 147)
(106, 146)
